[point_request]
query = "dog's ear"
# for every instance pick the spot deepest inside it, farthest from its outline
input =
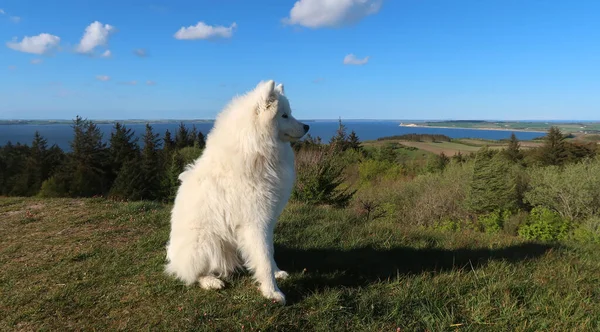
(279, 88)
(266, 95)
(265, 90)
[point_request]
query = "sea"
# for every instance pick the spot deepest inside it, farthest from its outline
(62, 134)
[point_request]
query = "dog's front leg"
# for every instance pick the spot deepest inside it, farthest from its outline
(257, 249)
(279, 274)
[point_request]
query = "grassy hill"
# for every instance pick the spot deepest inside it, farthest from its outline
(449, 148)
(93, 264)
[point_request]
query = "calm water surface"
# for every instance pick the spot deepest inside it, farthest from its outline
(61, 134)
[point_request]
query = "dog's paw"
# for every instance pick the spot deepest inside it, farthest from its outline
(275, 295)
(281, 275)
(210, 282)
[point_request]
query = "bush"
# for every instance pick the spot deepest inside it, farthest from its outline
(447, 225)
(513, 223)
(371, 170)
(433, 197)
(493, 222)
(545, 225)
(53, 187)
(319, 179)
(573, 191)
(588, 231)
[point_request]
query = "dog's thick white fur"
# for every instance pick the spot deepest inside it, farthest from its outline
(230, 198)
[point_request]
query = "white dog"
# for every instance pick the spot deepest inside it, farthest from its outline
(230, 198)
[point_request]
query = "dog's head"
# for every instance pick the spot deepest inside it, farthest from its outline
(274, 112)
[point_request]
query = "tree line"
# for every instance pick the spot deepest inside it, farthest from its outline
(147, 168)
(125, 168)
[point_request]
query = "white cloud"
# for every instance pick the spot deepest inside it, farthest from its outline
(12, 67)
(130, 83)
(318, 80)
(40, 44)
(14, 19)
(36, 61)
(150, 83)
(331, 13)
(96, 34)
(204, 31)
(351, 59)
(103, 78)
(142, 53)
(106, 54)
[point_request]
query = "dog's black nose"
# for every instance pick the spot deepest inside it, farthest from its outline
(306, 127)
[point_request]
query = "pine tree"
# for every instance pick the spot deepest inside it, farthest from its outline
(554, 151)
(151, 166)
(175, 168)
(354, 142)
(200, 141)
(3, 171)
(193, 135)
(88, 160)
(168, 143)
(492, 185)
(36, 169)
(55, 159)
(437, 163)
(17, 178)
(123, 147)
(129, 183)
(182, 137)
(339, 142)
(513, 151)
(56, 185)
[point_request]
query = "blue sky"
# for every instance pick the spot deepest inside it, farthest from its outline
(358, 59)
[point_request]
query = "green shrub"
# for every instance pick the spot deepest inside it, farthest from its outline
(513, 223)
(588, 231)
(371, 170)
(546, 225)
(573, 191)
(53, 187)
(350, 157)
(432, 197)
(493, 222)
(447, 225)
(319, 179)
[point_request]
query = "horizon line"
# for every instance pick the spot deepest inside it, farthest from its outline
(316, 119)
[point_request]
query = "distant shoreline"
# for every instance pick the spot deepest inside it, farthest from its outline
(125, 122)
(466, 128)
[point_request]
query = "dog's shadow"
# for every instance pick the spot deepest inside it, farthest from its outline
(322, 268)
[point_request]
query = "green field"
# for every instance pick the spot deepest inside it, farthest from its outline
(93, 264)
(464, 146)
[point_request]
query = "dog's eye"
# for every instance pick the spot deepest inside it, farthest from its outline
(285, 116)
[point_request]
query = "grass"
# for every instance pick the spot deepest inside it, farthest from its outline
(448, 148)
(93, 264)
(464, 146)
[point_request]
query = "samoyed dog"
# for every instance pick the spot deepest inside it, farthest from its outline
(230, 198)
